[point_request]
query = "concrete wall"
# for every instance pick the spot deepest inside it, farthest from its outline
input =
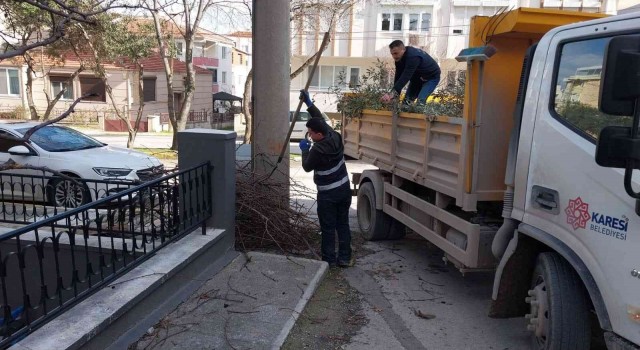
(32, 270)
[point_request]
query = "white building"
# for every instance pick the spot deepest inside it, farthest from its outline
(241, 61)
(213, 52)
(440, 27)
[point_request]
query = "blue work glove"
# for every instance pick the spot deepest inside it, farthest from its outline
(304, 95)
(304, 145)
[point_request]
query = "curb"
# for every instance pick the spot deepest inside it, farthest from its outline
(308, 293)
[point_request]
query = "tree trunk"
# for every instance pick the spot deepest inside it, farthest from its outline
(29, 87)
(246, 108)
(167, 63)
(136, 125)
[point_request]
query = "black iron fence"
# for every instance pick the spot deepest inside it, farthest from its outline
(50, 265)
(28, 196)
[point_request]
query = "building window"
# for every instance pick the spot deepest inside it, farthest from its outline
(59, 83)
(224, 52)
(354, 74)
(397, 21)
(214, 75)
(93, 86)
(240, 57)
(9, 82)
(330, 76)
(224, 77)
(386, 21)
(179, 48)
(426, 22)
(578, 79)
(149, 89)
(413, 21)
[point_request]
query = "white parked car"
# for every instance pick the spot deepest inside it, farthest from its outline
(300, 128)
(72, 153)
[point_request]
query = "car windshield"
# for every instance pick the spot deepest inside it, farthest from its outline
(61, 139)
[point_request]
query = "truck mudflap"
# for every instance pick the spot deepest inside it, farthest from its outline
(512, 280)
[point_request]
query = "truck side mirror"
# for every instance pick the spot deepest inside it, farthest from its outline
(618, 146)
(620, 85)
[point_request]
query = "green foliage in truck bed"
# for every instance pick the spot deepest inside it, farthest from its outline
(447, 100)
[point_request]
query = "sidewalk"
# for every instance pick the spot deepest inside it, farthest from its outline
(252, 303)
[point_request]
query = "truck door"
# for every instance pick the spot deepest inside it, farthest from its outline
(569, 196)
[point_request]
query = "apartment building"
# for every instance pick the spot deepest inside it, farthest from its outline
(440, 27)
(211, 51)
(241, 62)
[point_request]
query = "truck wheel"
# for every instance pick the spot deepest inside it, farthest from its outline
(559, 306)
(374, 223)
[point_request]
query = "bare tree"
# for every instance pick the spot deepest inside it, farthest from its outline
(186, 20)
(322, 16)
(114, 40)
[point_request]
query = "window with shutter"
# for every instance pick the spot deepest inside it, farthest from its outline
(93, 86)
(149, 89)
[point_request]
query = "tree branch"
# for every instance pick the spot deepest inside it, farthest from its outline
(70, 110)
(57, 34)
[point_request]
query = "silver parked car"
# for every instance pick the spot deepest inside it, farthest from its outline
(300, 128)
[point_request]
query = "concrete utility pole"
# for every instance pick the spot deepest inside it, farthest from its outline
(271, 68)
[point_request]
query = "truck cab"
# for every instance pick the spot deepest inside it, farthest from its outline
(575, 212)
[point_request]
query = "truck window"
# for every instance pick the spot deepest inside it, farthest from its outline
(577, 90)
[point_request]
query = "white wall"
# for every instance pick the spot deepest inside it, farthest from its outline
(224, 66)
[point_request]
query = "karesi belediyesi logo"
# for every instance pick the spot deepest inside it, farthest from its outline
(579, 216)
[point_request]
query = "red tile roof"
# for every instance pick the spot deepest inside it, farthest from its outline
(241, 34)
(154, 63)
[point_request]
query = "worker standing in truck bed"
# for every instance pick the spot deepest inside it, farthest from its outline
(415, 67)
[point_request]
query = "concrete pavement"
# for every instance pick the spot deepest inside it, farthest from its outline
(251, 304)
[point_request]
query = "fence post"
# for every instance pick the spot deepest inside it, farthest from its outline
(217, 147)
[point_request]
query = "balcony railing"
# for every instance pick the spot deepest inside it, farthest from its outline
(205, 61)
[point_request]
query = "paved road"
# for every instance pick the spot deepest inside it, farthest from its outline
(401, 279)
(142, 140)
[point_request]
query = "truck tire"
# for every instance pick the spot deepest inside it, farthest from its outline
(559, 306)
(374, 223)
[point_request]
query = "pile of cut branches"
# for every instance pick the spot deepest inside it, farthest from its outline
(273, 215)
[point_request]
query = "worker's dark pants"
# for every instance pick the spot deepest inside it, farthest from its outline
(333, 213)
(421, 89)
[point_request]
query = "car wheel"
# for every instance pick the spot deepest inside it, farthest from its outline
(68, 193)
(559, 306)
